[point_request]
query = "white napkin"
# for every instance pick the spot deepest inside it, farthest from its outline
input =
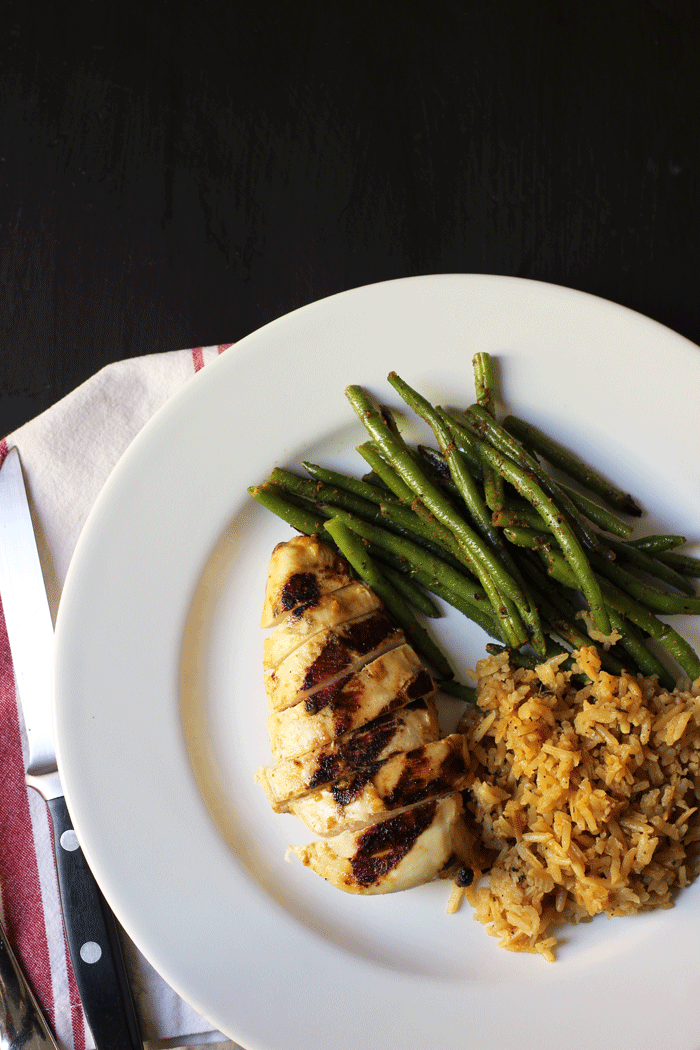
(67, 454)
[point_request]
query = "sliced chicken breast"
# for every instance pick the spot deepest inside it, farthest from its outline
(329, 655)
(387, 683)
(402, 780)
(417, 845)
(401, 730)
(347, 603)
(301, 570)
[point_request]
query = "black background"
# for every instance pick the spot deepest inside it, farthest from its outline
(177, 174)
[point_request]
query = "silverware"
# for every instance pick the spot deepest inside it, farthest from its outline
(91, 929)
(22, 1024)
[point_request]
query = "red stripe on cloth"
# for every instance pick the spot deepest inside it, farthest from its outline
(223, 346)
(19, 875)
(198, 358)
(3, 450)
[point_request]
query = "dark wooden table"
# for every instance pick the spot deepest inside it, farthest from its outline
(178, 173)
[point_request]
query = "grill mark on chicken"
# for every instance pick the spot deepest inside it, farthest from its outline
(345, 696)
(395, 782)
(348, 704)
(419, 772)
(348, 789)
(298, 613)
(420, 685)
(300, 569)
(355, 638)
(383, 846)
(359, 751)
(328, 697)
(301, 587)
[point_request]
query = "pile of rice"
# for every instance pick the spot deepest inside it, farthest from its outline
(586, 793)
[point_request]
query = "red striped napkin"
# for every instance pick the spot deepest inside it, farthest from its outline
(67, 453)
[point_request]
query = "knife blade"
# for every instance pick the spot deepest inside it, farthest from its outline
(90, 926)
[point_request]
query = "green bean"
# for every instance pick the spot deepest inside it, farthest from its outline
(372, 478)
(399, 457)
(646, 594)
(524, 517)
(363, 489)
(435, 463)
(498, 436)
(681, 563)
(461, 478)
(516, 658)
(472, 602)
(473, 592)
(563, 626)
(316, 491)
(433, 530)
(393, 481)
(458, 690)
(353, 549)
(656, 544)
(417, 557)
(273, 500)
(572, 466)
(633, 642)
(623, 603)
(469, 491)
(601, 517)
(650, 564)
(497, 583)
(530, 490)
(413, 594)
(395, 516)
(430, 566)
(522, 536)
(437, 538)
(480, 614)
(483, 375)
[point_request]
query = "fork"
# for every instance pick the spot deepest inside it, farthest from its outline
(22, 1024)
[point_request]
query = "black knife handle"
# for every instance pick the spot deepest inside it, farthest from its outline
(93, 942)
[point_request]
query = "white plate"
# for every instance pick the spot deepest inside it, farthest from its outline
(160, 709)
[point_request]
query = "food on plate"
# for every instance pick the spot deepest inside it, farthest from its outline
(329, 610)
(353, 728)
(385, 684)
(582, 734)
(299, 574)
(416, 846)
(367, 794)
(586, 793)
(482, 523)
(400, 730)
(329, 655)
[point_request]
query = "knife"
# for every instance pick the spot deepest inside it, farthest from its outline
(91, 928)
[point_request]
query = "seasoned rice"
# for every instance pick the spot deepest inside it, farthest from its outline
(586, 796)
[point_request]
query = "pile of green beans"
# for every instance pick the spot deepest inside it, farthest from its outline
(479, 523)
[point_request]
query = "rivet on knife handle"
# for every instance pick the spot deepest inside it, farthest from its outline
(92, 935)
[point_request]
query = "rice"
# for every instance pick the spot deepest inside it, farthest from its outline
(586, 796)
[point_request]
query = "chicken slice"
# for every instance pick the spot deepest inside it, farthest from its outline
(328, 656)
(429, 771)
(401, 730)
(415, 846)
(387, 683)
(301, 570)
(347, 603)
